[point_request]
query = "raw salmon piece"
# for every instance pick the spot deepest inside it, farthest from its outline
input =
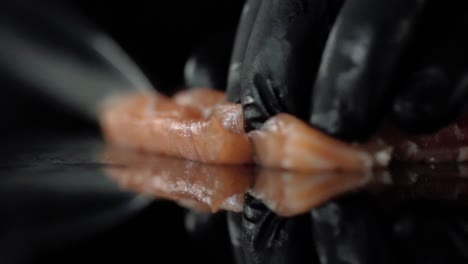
(155, 123)
(194, 185)
(288, 143)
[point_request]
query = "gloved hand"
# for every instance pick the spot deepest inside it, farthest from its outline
(344, 66)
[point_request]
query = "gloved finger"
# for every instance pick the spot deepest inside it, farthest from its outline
(268, 238)
(207, 67)
(282, 56)
(359, 60)
(246, 23)
(433, 77)
(348, 231)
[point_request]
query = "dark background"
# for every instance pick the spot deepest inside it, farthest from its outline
(161, 35)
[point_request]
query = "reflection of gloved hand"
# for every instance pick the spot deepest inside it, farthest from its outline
(352, 229)
(394, 58)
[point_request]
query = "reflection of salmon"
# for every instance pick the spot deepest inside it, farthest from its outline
(181, 127)
(195, 185)
(211, 188)
(292, 193)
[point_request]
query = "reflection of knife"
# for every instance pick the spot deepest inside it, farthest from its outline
(56, 53)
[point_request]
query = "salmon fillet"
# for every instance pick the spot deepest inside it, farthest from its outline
(195, 125)
(288, 143)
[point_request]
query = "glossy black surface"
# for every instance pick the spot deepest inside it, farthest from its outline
(58, 204)
(391, 225)
(54, 192)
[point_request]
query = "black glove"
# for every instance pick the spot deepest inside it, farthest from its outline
(273, 70)
(396, 59)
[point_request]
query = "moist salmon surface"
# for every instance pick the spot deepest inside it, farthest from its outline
(200, 125)
(197, 126)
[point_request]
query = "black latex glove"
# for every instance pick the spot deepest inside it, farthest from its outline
(276, 55)
(359, 61)
(344, 67)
